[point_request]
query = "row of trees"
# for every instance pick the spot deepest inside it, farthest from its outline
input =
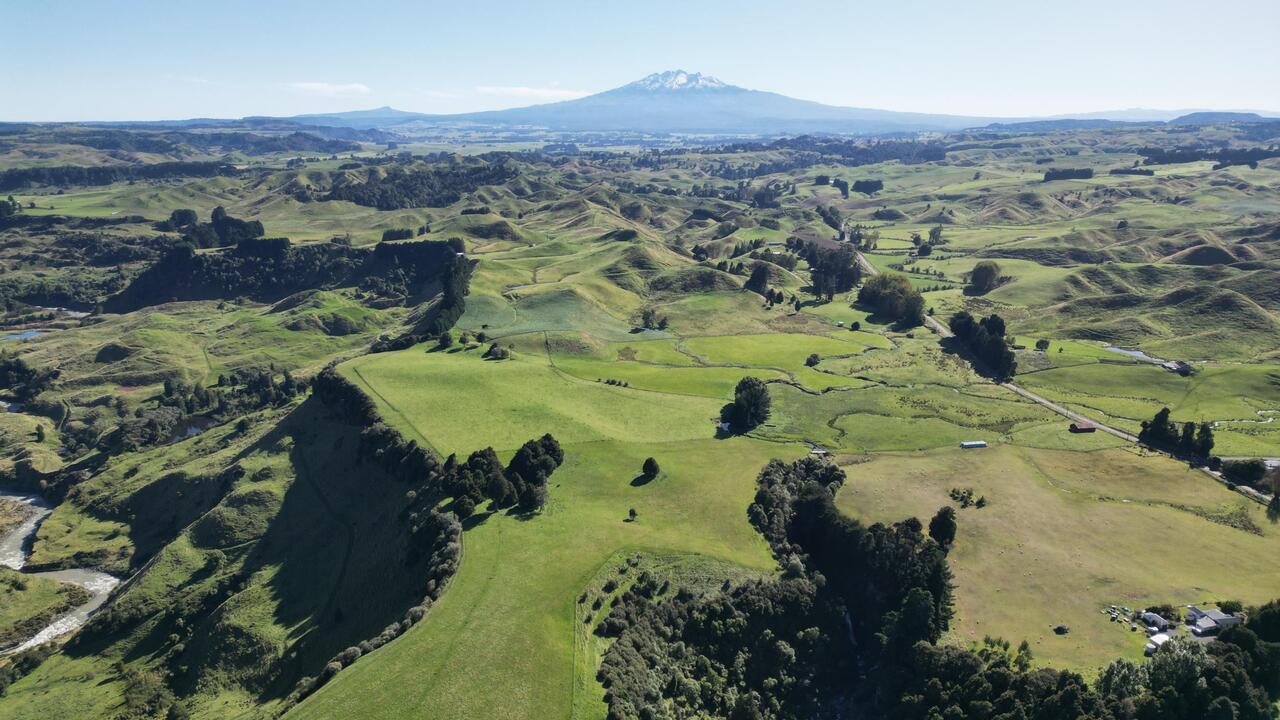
(1185, 439)
(1068, 174)
(1223, 157)
(985, 338)
(67, 175)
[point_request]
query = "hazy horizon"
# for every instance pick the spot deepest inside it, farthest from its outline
(154, 61)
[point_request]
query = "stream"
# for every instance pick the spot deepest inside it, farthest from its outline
(15, 548)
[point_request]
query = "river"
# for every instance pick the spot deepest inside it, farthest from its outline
(15, 548)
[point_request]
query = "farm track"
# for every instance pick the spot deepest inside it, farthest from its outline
(945, 332)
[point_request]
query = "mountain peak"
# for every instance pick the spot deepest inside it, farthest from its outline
(678, 80)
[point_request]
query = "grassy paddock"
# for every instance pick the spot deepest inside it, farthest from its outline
(1068, 533)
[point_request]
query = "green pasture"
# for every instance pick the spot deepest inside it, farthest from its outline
(1066, 534)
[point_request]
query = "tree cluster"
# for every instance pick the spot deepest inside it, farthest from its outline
(985, 338)
(243, 392)
(23, 380)
(649, 320)
(267, 269)
(750, 407)
(831, 270)
(868, 187)
(984, 277)
(894, 297)
(222, 230)
(522, 483)
(830, 215)
(1067, 174)
(9, 207)
(439, 186)
(397, 234)
(1250, 472)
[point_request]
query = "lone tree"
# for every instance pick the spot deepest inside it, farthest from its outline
(813, 359)
(446, 340)
(1273, 508)
(650, 468)
(984, 277)
(1042, 344)
(942, 528)
(751, 404)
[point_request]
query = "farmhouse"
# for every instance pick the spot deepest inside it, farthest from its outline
(1212, 622)
(1083, 427)
(973, 444)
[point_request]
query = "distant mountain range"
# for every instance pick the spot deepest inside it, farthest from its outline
(682, 103)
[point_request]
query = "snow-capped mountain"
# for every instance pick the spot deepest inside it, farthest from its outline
(676, 102)
(677, 80)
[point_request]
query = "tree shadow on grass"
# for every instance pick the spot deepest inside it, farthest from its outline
(522, 515)
(641, 480)
(477, 519)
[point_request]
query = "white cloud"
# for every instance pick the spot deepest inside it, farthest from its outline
(531, 93)
(325, 89)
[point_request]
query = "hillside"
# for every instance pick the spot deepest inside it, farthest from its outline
(571, 432)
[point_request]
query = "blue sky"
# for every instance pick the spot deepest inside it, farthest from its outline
(126, 59)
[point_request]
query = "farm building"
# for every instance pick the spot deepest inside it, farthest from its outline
(1212, 622)
(1083, 427)
(973, 444)
(1153, 620)
(1155, 642)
